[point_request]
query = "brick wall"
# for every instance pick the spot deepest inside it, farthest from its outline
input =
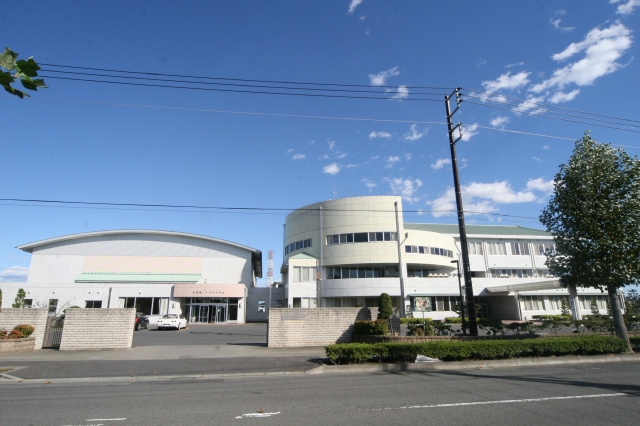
(37, 318)
(98, 329)
(314, 327)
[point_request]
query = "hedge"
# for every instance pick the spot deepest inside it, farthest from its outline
(371, 328)
(350, 353)
(453, 320)
(414, 320)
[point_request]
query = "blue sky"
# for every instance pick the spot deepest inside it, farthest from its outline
(83, 141)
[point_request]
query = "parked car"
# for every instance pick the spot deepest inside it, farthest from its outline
(172, 321)
(141, 321)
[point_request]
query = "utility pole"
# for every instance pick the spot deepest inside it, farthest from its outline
(403, 313)
(468, 286)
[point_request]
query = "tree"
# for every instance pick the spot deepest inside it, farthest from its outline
(385, 311)
(594, 216)
(24, 71)
(19, 301)
(564, 308)
(594, 308)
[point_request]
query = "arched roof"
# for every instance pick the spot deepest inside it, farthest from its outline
(256, 255)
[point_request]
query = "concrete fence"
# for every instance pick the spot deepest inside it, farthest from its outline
(98, 329)
(37, 318)
(314, 327)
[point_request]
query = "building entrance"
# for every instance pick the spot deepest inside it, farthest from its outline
(212, 310)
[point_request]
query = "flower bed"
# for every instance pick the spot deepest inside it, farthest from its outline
(17, 340)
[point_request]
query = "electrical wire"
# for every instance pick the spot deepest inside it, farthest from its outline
(551, 106)
(210, 89)
(240, 85)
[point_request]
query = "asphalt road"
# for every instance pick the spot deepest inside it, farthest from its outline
(599, 394)
(204, 334)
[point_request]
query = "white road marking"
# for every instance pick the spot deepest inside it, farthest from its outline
(257, 415)
(504, 401)
(107, 420)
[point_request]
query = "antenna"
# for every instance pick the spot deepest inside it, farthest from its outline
(270, 268)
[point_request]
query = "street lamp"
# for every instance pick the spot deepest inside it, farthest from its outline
(464, 325)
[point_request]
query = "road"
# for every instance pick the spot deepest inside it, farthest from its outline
(597, 394)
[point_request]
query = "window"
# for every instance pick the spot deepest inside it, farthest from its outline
(519, 249)
(298, 245)
(53, 307)
(496, 249)
(262, 306)
(555, 302)
(531, 303)
(93, 304)
(434, 303)
(361, 237)
(146, 305)
(428, 250)
(541, 249)
(304, 273)
(278, 303)
(28, 303)
(475, 248)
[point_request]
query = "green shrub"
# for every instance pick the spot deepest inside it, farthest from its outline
(635, 343)
(350, 353)
(385, 311)
(552, 317)
(25, 329)
(492, 327)
(414, 320)
(522, 327)
(453, 320)
(632, 321)
(371, 328)
(420, 329)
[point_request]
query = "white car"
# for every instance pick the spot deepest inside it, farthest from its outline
(172, 321)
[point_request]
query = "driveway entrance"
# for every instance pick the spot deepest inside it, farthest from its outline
(252, 334)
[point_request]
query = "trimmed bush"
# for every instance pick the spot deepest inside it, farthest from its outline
(552, 317)
(349, 353)
(421, 329)
(385, 311)
(371, 328)
(414, 320)
(25, 329)
(453, 320)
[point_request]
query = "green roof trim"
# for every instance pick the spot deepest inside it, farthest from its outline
(477, 229)
(302, 256)
(129, 277)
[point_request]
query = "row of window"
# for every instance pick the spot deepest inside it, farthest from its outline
(304, 273)
(554, 303)
(517, 249)
(519, 273)
(424, 273)
(297, 246)
(361, 237)
(361, 272)
(428, 250)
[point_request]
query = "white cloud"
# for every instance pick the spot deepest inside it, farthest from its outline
(298, 157)
(602, 47)
(440, 163)
(362, 18)
(560, 97)
(507, 81)
(380, 79)
(626, 8)
(530, 105)
(391, 161)
(312, 142)
(469, 131)
(331, 144)
(401, 93)
(331, 169)
(353, 5)
(556, 24)
(480, 198)
(369, 184)
(14, 274)
(517, 64)
(374, 135)
(541, 185)
(481, 63)
(560, 12)
(406, 188)
(340, 155)
(290, 150)
(499, 121)
(413, 134)
(375, 157)
(545, 147)
(536, 159)
(408, 156)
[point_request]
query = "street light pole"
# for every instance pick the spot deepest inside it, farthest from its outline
(464, 324)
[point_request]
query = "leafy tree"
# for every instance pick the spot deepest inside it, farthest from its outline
(594, 215)
(385, 311)
(25, 71)
(19, 301)
(594, 308)
(632, 302)
(564, 308)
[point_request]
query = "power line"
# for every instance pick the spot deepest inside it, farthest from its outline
(554, 118)
(551, 112)
(210, 89)
(242, 79)
(550, 106)
(241, 85)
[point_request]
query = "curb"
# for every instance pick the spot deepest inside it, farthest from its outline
(472, 365)
(343, 369)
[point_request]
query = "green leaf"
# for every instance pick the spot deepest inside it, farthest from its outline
(16, 92)
(29, 67)
(6, 78)
(32, 84)
(8, 59)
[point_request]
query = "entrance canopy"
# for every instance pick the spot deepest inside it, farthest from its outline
(540, 285)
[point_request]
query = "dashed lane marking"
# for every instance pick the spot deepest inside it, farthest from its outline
(244, 416)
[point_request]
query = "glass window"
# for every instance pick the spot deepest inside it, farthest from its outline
(387, 236)
(361, 273)
(296, 273)
(353, 272)
(368, 273)
(379, 236)
(372, 236)
(360, 237)
(421, 250)
(93, 304)
(407, 249)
